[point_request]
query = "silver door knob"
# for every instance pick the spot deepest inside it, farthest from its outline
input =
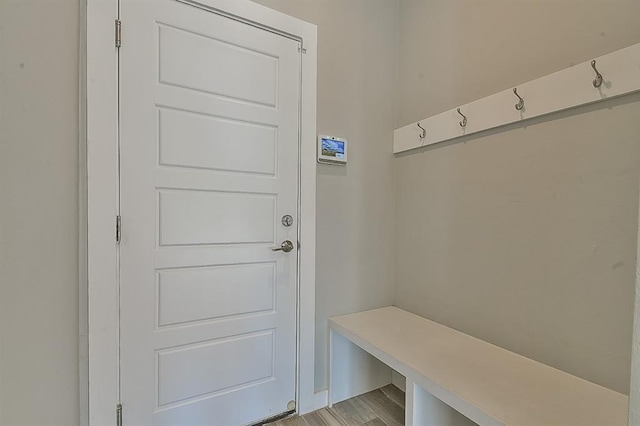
(286, 247)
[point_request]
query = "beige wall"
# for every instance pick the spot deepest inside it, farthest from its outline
(357, 60)
(525, 238)
(38, 212)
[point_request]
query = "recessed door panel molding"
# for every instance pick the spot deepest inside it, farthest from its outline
(223, 68)
(187, 372)
(216, 143)
(189, 217)
(217, 292)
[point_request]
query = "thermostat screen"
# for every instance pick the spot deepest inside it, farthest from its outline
(332, 148)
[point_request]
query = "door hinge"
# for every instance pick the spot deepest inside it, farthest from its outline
(118, 229)
(119, 415)
(118, 33)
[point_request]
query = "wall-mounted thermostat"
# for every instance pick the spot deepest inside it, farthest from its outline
(332, 150)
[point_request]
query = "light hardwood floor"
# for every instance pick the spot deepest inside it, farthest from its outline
(381, 407)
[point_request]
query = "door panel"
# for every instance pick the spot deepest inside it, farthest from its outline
(201, 294)
(187, 372)
(189, 217)
(209, 164)
(223, 149)
(244, 74)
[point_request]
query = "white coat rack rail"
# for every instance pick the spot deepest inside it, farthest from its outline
(609, 76)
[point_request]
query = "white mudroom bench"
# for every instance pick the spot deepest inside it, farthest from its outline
(485, 383)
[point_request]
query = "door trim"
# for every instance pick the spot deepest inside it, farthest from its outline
(99, 381)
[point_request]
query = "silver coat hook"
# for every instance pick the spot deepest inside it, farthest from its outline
(597, 82)
(423, 134)
(462, 123)
(520, 103)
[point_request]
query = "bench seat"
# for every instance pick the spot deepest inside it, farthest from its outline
(487, 384)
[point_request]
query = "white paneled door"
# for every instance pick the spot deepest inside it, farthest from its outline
(209, 126)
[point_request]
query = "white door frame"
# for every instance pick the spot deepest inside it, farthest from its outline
(100, 130)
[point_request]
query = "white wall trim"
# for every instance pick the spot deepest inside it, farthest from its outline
(102, 132)
(102, 197)
(83, 297)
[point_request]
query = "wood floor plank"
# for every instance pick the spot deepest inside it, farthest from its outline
(290, 421)
(381, 407)
(332, 417)
(324, 417)
(354, 411)
(375, 422)
(394, 394)
(388, 411)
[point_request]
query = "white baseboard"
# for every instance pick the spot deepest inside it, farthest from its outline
(320, 399)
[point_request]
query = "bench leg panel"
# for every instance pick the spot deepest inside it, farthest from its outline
(424, 409)
(352, 370)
